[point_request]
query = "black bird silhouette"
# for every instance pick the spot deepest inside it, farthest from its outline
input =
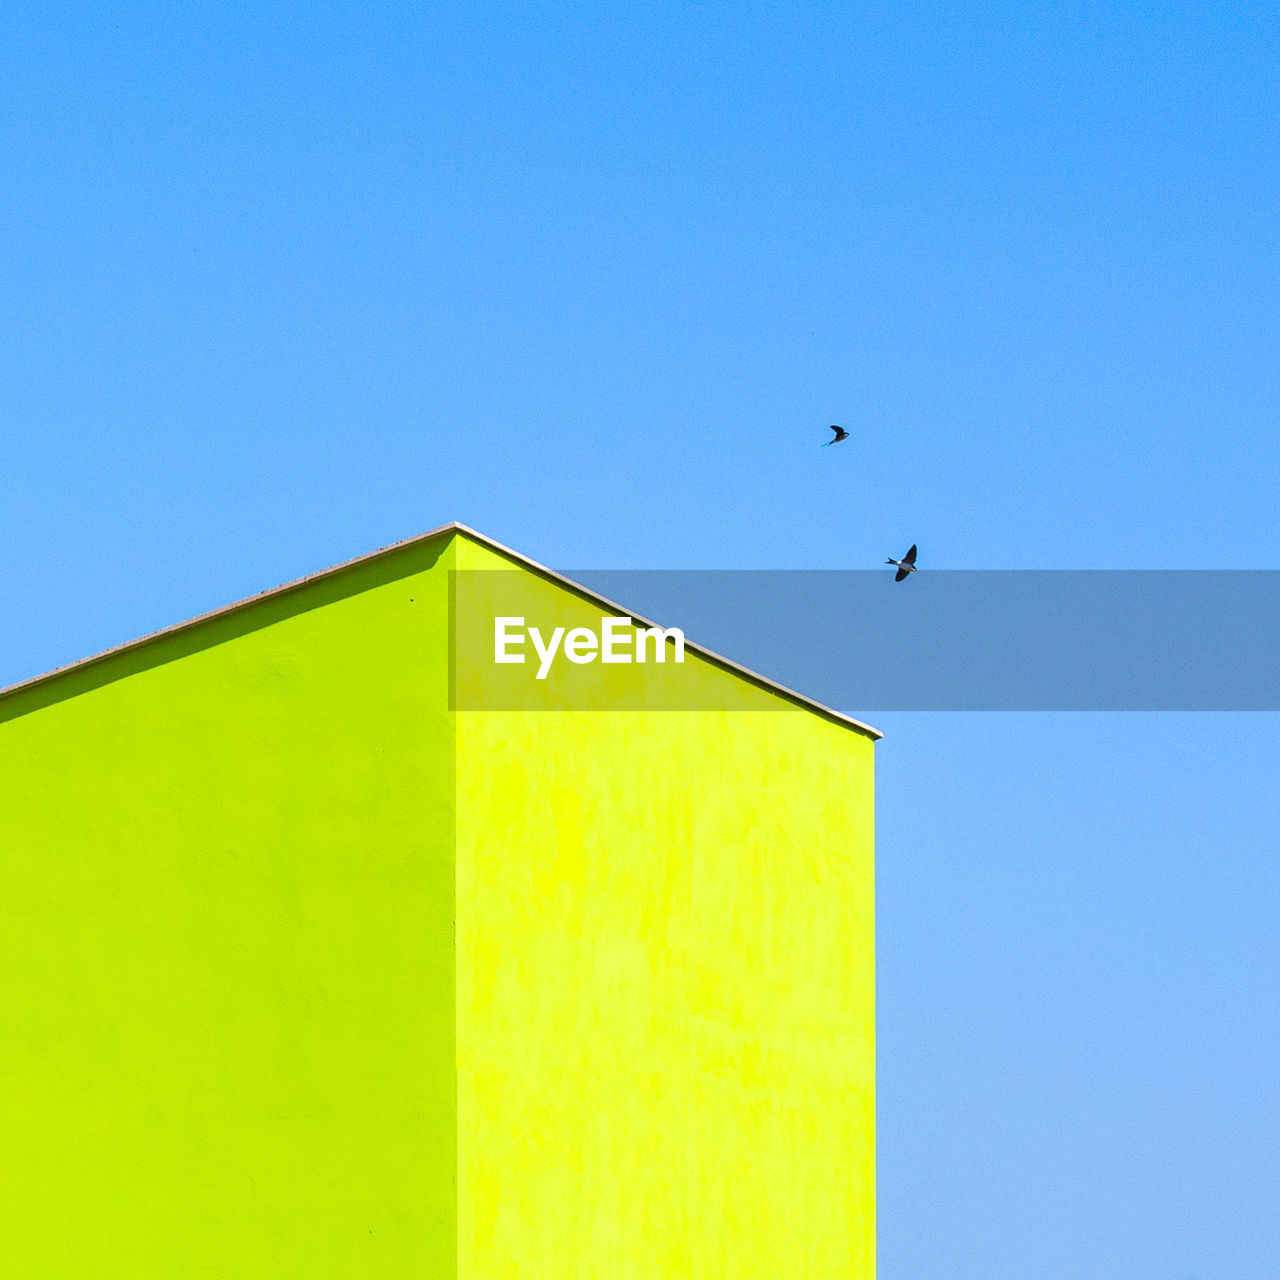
(906, 565)
(841, 434)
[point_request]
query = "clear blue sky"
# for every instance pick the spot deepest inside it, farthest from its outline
(285, 283)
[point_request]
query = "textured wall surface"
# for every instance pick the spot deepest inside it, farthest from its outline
(226, 961)
(665, 989)
(238, 1038)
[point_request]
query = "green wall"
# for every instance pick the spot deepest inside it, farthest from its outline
(238, 1038)
(226, 945)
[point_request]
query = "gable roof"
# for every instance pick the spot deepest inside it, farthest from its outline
(453, 527)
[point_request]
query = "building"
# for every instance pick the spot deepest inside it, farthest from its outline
(305, 973)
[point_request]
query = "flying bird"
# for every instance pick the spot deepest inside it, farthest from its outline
(906, 565)
(841, 434)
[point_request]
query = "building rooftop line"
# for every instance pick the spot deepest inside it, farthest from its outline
(452, 527)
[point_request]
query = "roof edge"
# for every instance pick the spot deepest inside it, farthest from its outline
(453, 527)
(810, 704)
(187, 623)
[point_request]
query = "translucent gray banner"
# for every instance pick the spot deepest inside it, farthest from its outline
(857, 641)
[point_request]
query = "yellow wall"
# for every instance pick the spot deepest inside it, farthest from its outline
(237, 1039)
(665, 1007)
(226, 950)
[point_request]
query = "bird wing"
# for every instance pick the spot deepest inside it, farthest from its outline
(840, 431)
(902, 573)
(910, 557)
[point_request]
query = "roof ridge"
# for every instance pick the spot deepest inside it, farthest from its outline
(454, 527)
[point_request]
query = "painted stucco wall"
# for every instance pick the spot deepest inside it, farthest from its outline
(226, 960)
(665, 986)
(237, 1039)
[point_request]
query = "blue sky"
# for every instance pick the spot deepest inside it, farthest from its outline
(285, 284)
